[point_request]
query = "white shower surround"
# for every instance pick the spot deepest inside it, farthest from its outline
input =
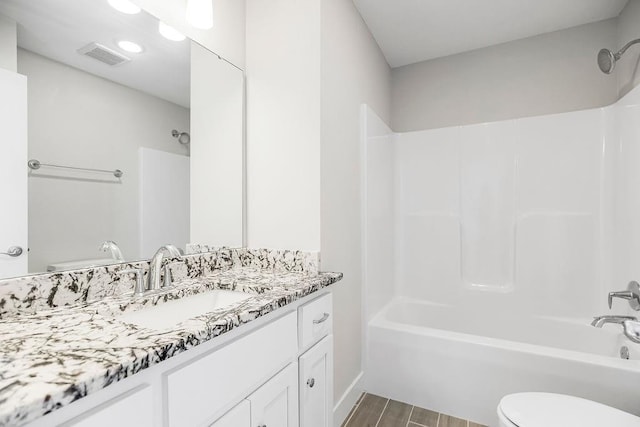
(495, 225)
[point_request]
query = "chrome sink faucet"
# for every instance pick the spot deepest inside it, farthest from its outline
(112, 247)
(156, 265)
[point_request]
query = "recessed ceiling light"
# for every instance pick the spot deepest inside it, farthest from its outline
(200, 13)
(170, 33)
(130, 46)
(125, 6)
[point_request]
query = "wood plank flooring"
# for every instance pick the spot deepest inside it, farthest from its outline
(376, 411)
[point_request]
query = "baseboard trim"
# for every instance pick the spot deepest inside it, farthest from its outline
(347, 401)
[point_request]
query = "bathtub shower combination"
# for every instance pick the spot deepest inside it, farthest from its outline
(488, 250)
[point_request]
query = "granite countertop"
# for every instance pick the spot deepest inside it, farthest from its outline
(51, 358)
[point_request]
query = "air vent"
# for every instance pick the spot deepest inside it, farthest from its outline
(103, 54)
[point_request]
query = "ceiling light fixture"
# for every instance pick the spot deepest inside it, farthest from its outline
(130, 46)
(125, 6)
(200, 13)
(170, 33)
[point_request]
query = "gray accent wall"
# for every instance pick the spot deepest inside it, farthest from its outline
(550, 73)
(626, 73)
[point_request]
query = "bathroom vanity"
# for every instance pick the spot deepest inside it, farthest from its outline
(261, 355)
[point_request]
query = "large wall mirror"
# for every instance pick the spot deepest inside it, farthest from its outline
(135, 136)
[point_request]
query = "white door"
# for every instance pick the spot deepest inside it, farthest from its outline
(316, 385)
(13, 174)
(275, 404)
(239, 416)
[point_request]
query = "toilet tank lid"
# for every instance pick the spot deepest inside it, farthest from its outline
(559, 410)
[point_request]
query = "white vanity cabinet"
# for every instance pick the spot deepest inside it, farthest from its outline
(201, 389)
(316, 384)
(134, 408)
(240, 416)
(275, 404)
(276, 371)
(315, 378)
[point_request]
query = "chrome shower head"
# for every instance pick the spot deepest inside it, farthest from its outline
(183, 137)
(606, 61)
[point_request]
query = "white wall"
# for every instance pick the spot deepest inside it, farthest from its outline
(283, 124)
(8, 44)
(226, 38)
(309, 67)
(217, 138)
(79, 119)
(546, 74)
(354, 71)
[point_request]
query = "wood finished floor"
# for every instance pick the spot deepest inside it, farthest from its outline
(376, 411)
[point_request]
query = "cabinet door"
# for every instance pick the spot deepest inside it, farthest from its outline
(316, 385)
(239, 416)
(275, 404)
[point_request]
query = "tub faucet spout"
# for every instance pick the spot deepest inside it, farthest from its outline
(630, 325)
(111, 246)
(600, 321)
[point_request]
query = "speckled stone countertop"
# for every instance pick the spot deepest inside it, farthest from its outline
(53, 357)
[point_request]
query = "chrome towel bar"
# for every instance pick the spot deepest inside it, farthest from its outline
(35, 165)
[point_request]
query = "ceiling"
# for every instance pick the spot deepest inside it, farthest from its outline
(56, 29)
(410, 31)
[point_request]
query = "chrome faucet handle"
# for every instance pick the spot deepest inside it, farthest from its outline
(167, 281)
(632, 294)
(619, 294)
(140, 288)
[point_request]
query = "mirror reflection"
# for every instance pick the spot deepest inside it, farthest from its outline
(109, 133)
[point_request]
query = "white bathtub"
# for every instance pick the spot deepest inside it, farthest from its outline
(461, 362)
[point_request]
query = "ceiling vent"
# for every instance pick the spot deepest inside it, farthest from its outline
(103, 54)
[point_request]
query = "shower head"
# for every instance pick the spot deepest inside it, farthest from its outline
(183, 137)
(607, 59)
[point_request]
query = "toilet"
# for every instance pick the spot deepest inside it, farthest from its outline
(559, 410)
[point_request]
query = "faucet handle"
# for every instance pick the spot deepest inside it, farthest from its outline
(632, 294)
(139, 275)
(167, 282)
(619, 294)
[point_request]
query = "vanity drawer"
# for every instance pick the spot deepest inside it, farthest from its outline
(315, 321)
(200, 391)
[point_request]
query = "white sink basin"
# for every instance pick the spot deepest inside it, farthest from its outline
(170, 313)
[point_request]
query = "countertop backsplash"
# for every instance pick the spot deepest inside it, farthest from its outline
(30, 294)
